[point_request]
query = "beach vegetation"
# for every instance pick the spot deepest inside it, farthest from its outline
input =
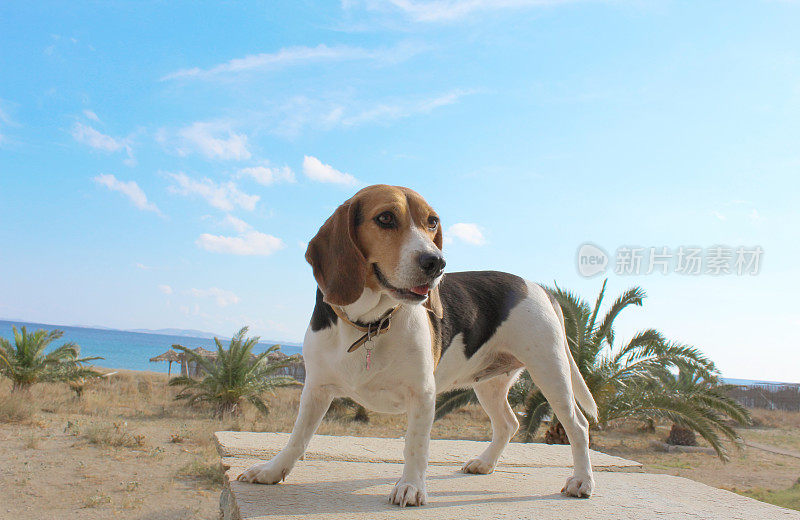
(111, 435)
(205, 468)
(233, 375)
(25, 362)
(14, 410)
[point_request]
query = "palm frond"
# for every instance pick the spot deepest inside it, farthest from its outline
(259, 403)
(536, 409)
(632, 296)
(452, 400)
(596, 308)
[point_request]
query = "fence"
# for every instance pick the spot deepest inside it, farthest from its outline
(771, 397)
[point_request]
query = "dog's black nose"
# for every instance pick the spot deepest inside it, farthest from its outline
(431, 264)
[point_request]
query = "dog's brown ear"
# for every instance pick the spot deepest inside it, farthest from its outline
(339, 266)
(434, 303)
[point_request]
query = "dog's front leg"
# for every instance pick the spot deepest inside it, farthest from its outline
(410, 489)
(314, 402)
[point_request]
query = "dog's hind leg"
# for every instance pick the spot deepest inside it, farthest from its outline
(493, 396)
(314, 402)
(549, 366)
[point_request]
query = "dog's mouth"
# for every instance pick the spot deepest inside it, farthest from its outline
(417, 293)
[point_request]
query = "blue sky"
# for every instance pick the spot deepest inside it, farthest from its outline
(162, 164)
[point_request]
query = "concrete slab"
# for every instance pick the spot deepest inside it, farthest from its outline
(339, 490)
(373, 449)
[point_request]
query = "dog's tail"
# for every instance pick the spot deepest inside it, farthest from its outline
(582, 394)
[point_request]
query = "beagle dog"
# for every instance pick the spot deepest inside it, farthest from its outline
(391, 331)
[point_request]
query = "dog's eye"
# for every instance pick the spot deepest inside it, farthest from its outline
(386, 220)
(433, 223)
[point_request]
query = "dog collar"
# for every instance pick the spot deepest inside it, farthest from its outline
(370, 330)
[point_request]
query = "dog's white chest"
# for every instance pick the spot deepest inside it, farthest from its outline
(400, 364)
(384, 385)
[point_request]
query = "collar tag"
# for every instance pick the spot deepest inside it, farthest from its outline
(370, 330)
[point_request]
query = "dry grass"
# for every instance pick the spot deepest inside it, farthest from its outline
(775, 419)
(205, 469)
(97, 500)
(789, 497)
(14, 409)
(127, 448)
(114, 435)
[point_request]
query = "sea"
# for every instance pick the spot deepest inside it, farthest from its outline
(127, 349)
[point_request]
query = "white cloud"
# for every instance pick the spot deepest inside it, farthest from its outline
(449, 10)
(466, 232)
(296, 55)
(236, 223)
(89, 136)
(4, 118)
(165, 289)
(300, 112)
(248, 243)
(91, 115)
(316, 170)
(267, 175)
(214, 140)
(385, 112)
(130, 189)
(225, 196)
(221, 296)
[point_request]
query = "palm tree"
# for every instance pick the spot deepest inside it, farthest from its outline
(25, 362)
(705, 408)
(235, 374)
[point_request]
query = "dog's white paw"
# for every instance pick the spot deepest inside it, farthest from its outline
(268, 473)
(579, 486)
(408, 493)
(477, 466)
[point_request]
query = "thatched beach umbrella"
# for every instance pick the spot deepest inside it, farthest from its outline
(272, 357)
(192, 368)
(205, 353)
(169, 356)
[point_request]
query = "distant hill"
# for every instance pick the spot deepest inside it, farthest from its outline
(192, 333)
(748, 382)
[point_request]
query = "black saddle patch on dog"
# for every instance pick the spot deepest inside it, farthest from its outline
(475, 304)
(323, 315)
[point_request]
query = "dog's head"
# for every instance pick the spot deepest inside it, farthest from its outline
(386, 238)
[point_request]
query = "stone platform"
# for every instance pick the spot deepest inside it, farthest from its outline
(351, 477)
